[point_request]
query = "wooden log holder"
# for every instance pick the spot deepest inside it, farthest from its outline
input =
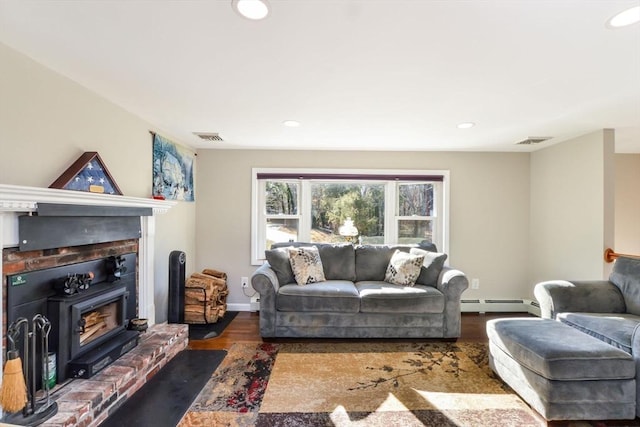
(205, 297)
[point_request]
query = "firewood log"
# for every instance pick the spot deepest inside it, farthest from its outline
(93, 318)
(197, 295)
(208, 283)
(215, 273)
(201, 314)
(88, 332)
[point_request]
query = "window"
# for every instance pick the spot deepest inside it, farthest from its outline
(281, 217)
(416, 213)
(314, 206)
(333, 203)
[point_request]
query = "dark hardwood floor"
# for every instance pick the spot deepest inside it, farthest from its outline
(245, 329)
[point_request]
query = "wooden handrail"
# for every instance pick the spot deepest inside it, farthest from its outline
(610, 255)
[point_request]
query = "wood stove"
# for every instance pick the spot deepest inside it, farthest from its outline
(88, 322)
(90, 329)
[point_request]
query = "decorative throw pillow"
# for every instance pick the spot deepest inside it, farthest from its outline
(432, 266)
(306, 265)
(403, 269)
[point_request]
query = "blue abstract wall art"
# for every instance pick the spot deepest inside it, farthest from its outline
(173, 170)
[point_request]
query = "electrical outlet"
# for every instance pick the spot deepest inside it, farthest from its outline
(245, 282)
(475, 283)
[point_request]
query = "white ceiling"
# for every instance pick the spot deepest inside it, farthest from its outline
(357, 74)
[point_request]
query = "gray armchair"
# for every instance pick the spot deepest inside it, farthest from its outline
(606, 309)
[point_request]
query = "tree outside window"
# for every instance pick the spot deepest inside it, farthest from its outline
(333, 203)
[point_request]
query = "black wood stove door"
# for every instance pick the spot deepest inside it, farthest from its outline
(74, 330)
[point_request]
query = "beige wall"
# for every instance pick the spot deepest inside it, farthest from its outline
(572, 208)
(48, 121)
(627, 204)
(489, 209)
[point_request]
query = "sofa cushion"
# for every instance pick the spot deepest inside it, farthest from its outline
(403, 268)
(306, 265)
(383, 297)
(614, 329)
(556, 351)
(328, 296)
(428, 246)
(431, 267)
(278, 259)
(626, 276)
(338, 259)
(372, 261)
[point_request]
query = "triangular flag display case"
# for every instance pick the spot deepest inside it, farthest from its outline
(88, 173)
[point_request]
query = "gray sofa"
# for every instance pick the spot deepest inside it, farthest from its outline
(608, 310)
(354, 301)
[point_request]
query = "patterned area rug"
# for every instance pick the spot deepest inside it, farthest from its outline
(358, 384)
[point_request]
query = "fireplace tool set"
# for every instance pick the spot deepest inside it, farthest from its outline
(18, 391)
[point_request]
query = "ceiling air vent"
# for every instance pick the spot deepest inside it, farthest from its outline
(213, 137)
(533, 140)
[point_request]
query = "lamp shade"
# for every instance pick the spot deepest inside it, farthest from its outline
(348, 229)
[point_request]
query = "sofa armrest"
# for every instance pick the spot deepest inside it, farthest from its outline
(265, 282)
(596, 296)
(452, 283)
(264, 279)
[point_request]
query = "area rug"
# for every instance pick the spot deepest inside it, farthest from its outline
(211, 330)
(358, 384)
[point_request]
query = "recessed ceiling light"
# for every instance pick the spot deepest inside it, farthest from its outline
(625, 18)
(466, 125)
(291, 123)
(251, 9)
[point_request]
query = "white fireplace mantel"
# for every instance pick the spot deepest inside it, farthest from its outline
(18, 200)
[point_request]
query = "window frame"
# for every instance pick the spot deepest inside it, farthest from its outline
(262, 223)
(258, 189)
(437, 217)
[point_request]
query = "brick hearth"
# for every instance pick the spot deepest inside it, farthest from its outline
(88, 402)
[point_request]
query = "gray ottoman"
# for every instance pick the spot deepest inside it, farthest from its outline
(562, 373)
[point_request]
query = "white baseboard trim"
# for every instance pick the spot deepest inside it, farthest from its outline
(238, 307)
(500, 306)
(467, 306)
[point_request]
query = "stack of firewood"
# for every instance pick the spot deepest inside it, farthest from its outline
(205, 296)
(93, 322)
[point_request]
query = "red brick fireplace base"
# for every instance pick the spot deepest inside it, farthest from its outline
(88, 402)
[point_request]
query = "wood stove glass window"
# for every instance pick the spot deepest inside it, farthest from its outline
(97, 319)
(98, 322)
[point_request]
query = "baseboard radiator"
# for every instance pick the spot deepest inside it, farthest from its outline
(467, 306)
(500, 306)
